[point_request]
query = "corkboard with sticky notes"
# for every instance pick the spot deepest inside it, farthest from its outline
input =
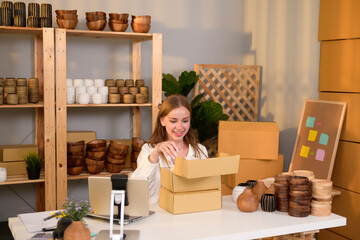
(318, 137)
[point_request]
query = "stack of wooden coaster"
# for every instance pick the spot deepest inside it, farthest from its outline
(304, 173)
(33, 90)
(300, 196)
(282, 192)
(321, 197)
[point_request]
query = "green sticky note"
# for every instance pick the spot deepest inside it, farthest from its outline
(324, 138)
(310, 122)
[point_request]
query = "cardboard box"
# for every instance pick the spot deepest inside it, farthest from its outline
(226, 190)
(254, 169)
(250, 140)
(176, 183)
(14, 168)
(128, 155)
(198, 168)
(11, 153)
(75, 136)
(325, 234)
(187, 202)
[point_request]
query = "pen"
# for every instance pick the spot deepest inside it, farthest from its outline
(52, 216)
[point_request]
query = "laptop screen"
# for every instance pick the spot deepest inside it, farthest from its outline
(100, 194)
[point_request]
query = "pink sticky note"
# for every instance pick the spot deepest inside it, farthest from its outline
(320, 155)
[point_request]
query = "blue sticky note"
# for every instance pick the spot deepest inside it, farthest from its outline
(310, 122)
(93, 234)
(324, 138)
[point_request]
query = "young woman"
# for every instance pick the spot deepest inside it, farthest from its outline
(172, 137)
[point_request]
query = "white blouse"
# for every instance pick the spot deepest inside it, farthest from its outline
(151, 171)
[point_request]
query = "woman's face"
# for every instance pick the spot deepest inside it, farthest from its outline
(176, 123)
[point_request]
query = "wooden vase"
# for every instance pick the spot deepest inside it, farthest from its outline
(247, 201)
(268, 202)
(259, 189)
(77, 230)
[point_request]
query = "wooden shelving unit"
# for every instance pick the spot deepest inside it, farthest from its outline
(61, 37)
(44, 114)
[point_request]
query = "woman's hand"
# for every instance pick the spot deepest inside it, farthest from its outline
(168, 148)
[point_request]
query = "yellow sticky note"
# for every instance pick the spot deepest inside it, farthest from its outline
(312, 135)
(304, 151)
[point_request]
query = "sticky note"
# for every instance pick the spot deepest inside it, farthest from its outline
(312, 135)
(310, 122)
(320, 155)
(304, 152)
(324, 138)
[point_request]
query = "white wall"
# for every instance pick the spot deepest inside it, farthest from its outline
(279, 35)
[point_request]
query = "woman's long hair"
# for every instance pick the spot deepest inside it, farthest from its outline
(159, 134)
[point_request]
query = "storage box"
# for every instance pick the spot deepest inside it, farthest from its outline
(254, 169)
(11, 153)
(75, 136)
(176, 183)
(188, 202)
(226, 190)
(14, 168)
(128, 155)
(255, 140)
(198, 168)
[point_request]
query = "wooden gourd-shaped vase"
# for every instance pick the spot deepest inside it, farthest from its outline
(77, 231)
(247, 201)
(259, 190)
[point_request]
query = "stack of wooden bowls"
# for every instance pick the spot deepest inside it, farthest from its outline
(9, 88)
(95, 155)
(118, 22)
(300, 196)
(116, 156)
(1, 91)
(141, 24)
(33, 88)
(96, 21)
(137, 144)
(282, 192)
(321, 197)
(67, 19)
(21, 90)
(75, 157)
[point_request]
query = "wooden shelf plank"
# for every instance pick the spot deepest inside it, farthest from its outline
(20, 30)
(29, 105)
(85, 175)
(110, 34)
(110, 105)
(20, 179)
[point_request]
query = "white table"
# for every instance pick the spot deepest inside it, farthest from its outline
(227, 223)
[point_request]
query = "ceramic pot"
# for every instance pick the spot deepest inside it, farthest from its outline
(268, 202)
(259, 189)
(251, 183)
(247, 201)
(236, 192)
(33, 173)
(77, 230)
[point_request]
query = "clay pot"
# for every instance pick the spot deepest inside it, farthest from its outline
(77, 230)
(259, 189)
(247, 201)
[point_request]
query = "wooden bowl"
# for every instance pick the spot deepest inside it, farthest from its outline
(67, 24)
(75, 170)
(90, 161)
(95, 155)
(98, 25)
(115, 161)
(118, 27)
(91, 18)
(75, 148)
(119, 21)
(96, 143)
(76, 143)
(140, 28)
(76, 154)
(99, 13)
(144, 17)
(119, 146)
(114, 168)
(58, 12)
(67, 16)
(137, 144)
(75, 162)
(115, 156)
(96, 149)
(119, 16)
(96, 168)
(116, 151)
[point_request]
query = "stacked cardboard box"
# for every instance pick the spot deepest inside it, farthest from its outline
(195, 185)
(12, 158)
(257, 143)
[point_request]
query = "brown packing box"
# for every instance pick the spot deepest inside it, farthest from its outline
(14, 168)
(226, 190)
(11, 153)
(255, 140)
(128, 155)
(198, 168)
(75, 136)
(325, 234)
(254, 169)
(187, 202)
(175, 183)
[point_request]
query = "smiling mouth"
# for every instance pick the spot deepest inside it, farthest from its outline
(178, 134)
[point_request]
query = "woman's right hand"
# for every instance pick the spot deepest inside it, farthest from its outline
(168, 148)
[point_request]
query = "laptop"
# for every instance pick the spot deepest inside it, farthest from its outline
(100, 194)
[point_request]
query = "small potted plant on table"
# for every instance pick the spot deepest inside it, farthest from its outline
(33, 165)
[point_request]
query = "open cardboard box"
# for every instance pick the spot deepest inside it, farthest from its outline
(75, 136)
(13, 153)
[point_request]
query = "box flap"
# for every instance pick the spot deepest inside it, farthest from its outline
(249, 126)
(206, 167)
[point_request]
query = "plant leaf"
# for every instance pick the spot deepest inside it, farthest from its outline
(211, 111)
(170, 85)
(187, 81)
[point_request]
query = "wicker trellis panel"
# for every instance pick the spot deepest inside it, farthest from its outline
(235, 87)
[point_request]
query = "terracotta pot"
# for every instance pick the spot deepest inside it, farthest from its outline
(259, 189)
(247, 201)
(77, 230)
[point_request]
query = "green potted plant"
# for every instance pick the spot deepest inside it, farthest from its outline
(205, 114)
(33, 165)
